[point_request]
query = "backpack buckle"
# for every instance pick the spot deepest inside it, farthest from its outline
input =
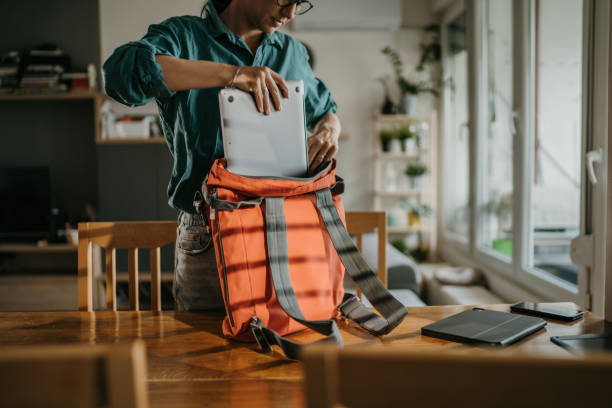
(260, 337)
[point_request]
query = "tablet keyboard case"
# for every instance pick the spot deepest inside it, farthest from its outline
(484, 326)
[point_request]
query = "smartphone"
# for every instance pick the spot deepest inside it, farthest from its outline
(549, 310)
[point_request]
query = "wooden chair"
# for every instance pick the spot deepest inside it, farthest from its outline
(360, 222)
(395, 376)
(74, 376)
(154, 235)
(128, 235)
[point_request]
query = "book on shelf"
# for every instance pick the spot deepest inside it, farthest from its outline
(6, 69)
(48, 59)
(46, 52)
(44, 90)
(9, 71)
(9, 81)
(45, 68)
(39, 78)
(77, 81)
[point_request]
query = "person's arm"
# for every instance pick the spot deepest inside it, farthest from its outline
(323, 144)
(181, 74)
(153, 67)
(132, 75)
(321, 117)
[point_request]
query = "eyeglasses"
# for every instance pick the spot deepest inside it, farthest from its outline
(301, 6)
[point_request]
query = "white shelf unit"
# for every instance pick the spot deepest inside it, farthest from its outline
(388, 195)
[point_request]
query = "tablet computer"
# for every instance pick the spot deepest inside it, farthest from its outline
(483, 326)
(261, 145)
(585, 342)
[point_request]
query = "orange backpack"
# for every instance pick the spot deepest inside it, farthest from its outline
(280, 245)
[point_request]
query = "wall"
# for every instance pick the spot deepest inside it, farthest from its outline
(123, 21)
(350, 62)
(29, 23)
(51, 133)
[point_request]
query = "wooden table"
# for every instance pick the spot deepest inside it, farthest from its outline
(190, 363)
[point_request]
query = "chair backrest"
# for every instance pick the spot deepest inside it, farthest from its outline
(155, 234)
(74, 376)
(360, 222)
(124, 235)
(394, 376)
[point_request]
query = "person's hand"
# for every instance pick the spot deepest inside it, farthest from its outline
(322, 146)
(264, 84)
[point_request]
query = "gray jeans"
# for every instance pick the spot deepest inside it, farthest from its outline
(196, 281)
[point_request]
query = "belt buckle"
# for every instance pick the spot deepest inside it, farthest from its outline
(260, 337)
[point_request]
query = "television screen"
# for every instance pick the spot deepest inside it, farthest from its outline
(25, 201)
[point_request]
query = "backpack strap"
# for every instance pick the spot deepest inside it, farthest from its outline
(276, 242)
(391, 309)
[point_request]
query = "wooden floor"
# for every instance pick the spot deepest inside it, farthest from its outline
(190, 363)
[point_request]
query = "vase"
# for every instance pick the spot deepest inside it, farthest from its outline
(399, 217)
(416, 182)
(408, 104)
(388, 108)
(396, 146)
(409, 145)
(414, 220)
(389, 178)
(385, 145)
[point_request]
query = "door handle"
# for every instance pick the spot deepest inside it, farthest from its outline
(593, 156)
(514, 116)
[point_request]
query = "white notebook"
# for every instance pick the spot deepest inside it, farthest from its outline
(261, 145)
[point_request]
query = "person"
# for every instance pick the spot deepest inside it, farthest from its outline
(182, 63)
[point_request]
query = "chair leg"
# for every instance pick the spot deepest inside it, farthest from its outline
(85, 276)
(111, 280)
(156, 279)
(133, 278)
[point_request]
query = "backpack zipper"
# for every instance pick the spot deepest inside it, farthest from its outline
(225, 286)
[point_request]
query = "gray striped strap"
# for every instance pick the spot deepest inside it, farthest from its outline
(278, 259)
(392, 310)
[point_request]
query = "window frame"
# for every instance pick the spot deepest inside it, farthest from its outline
(454, 249)
(447, 236)
(482, 254)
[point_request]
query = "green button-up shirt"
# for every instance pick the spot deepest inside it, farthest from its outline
(191, 119)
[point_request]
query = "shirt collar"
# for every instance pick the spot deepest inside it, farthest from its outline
(217, 27)
(273, 39)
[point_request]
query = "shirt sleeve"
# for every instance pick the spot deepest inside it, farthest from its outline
(317, 96)
(132, 76)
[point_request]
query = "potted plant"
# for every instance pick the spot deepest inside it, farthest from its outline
(386, 137)
(419, 253)
(409, 89)
(415, 214)
(499, 212)
(431, 49)
(407, 139)
(400, 246)
(415, 171)
(389, 107)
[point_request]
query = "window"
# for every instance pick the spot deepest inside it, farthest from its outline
(496, 189)
(557, 137)
(526, 122)
(457, 216)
